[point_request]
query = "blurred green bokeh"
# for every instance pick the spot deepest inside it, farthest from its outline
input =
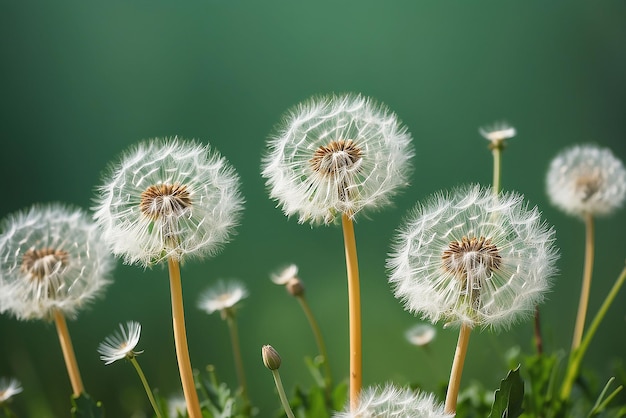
(81, 81)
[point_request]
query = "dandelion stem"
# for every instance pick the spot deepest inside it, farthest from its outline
(497, 164)
(142, 376)
(586, 284)
(234, 339)
(318, 338)
(538, 338)
(576, 357)
(354, 310)
(281, 394)
(180, 340)
(457, 369)
(68, 353)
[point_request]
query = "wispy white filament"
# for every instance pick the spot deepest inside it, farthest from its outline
(120, 344)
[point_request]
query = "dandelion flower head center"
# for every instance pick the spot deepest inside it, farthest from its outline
(471, 257)
(41, 263)
(336, 158)
(589, 185)
(165, 200)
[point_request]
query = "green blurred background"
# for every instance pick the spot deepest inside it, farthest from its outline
(81, 81)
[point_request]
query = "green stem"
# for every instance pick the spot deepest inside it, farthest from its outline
(234, 338)
(318, 338)
(281, 394)
(576, 357)
(586, 284)
(135, 363)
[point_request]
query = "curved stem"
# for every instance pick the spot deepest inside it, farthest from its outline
(234, 339)
(68, 353)
(457, 369)
(281, 393)
(144, 382)
(576, 357)
(180, 340)
(586, 284)
(318, 338)
(354, 311)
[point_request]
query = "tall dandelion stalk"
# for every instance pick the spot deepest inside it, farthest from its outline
(586, 181)
(331, 157)
(52, 264)
(166, 201)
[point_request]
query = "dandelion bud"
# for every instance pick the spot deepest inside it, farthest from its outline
(271, 358)
(295, 287)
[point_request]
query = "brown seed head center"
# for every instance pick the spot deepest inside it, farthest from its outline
(164, 200)
(470, 257)
(39, 263)
(336, 157)
(589, 185)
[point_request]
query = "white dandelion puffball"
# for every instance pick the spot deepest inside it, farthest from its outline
(168, 198)
(225, 294)
(586, 179)
(335, 155)
(394, 402)
(52, 258)
(473, 258)
(121, 344)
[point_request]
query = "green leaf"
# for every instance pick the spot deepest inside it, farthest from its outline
(85, 407)
(509, 397)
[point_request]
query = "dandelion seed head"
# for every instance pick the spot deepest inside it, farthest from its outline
(473, 258)
(394, 402)
(51, 259)
(121, 344)
(497, 133)
(420, 334)
(168, 198)
(586, 179)
(335, 155)
(285, 274)
(222, 296)
(9, 388)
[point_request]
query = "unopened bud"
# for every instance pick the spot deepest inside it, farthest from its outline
(271, 358)
(295, 287)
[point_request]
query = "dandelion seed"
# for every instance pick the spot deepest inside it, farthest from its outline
(586, 179)
(223, 296)
(121, 344)
(394, 402)
(9, 388)
(473, 258)
(337, 155)
(421, 334)
(51, 260)
(497, 133)
(168, 198)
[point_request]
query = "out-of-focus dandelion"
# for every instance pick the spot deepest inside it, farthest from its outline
(170, 199)
(288, 276)
(497, 134)
(391, 401)
(420, 335)
(472, 258)
(52, 264)
(272, 360)
(334, 156)
(9, 388)
(586, 181)
(224, 297)
(122, 345)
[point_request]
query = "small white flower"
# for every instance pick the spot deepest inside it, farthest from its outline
(8, 388)
(473, 258)
(498, 132)
(421, 334)
(586, 179)
(224, 295)
(51, 258)
(283, 276)
(168, 198)
(336, 155)
(121, 344)
(394, 402)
